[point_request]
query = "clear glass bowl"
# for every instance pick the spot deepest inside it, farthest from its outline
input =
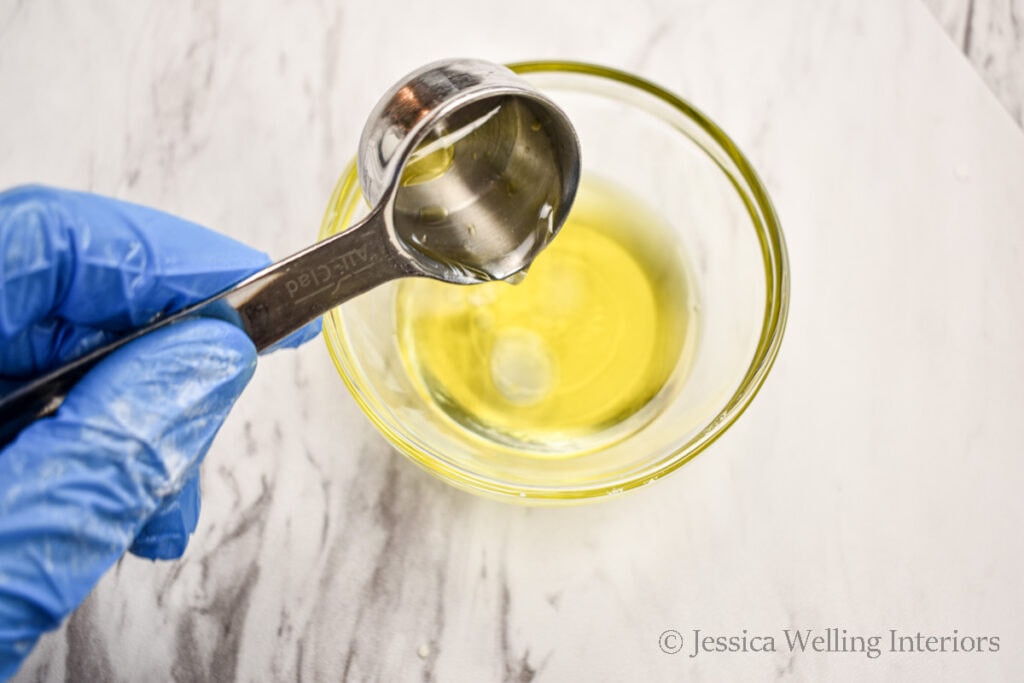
(681, 165)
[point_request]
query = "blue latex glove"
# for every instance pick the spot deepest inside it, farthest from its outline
(116, 468)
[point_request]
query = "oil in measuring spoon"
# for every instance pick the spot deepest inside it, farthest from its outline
(478, 194)
(588, 339)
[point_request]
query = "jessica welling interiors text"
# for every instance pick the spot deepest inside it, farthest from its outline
(826, 641)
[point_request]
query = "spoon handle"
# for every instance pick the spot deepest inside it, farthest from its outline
(268, 305)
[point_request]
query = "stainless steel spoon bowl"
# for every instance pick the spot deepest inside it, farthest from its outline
(470, 171)
(474, 170)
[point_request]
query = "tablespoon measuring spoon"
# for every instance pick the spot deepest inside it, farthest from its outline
(470, 172)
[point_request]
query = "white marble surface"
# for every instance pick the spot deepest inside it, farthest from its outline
(874, 484)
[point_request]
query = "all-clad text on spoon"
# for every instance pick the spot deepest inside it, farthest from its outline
(470, 172)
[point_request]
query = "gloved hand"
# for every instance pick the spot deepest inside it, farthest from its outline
(116, 468)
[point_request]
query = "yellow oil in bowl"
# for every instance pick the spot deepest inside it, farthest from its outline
(588, 339)
(636, 339)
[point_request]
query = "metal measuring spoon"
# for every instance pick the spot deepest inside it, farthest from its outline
(470, 172)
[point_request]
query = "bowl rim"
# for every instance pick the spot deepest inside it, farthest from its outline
(777, 291)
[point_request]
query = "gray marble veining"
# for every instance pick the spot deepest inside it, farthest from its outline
(991, 35)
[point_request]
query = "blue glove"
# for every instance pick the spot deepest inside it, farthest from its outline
(116, 468)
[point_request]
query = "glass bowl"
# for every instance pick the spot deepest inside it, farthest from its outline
(681, 166)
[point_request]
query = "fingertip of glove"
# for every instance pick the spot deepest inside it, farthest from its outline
(216, 335)
(187, 363)
(29, 191)
(201, 351)
(166, 534)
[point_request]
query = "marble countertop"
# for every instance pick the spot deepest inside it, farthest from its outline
(873, 485)
(991, 35)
